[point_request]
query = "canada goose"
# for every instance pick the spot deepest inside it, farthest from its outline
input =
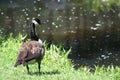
(31, 51)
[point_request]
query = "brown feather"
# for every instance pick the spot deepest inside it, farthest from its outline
(30, 50)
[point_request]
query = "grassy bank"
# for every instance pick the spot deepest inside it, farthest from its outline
(55, 65)
(95, 5)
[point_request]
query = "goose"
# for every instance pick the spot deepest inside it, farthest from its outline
(31, 51)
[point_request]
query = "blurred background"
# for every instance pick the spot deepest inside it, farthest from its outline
(91, 28)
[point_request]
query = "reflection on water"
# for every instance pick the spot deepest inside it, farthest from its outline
(69, 23)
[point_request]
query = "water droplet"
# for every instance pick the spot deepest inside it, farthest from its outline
(2, 13)
(112, 22)
(60, 25)
(34, 2)
(81, 14)
(48, 28)
(79, 55)
(17, 21)
(23, 10)
(38, 14)
(116, 59)
(73, 32)
(39, 8)
(58, 18)
(35, 8)
(94, 14)
(93, 37)
(119, 15)
(113, 11)
(28, 18)
(70, 18)
(76, 17)
(53, 23)
(104, 15)
(62, 21)
(11, 1)
(43, 31)
(102, 55)
(98, 24)
(73, 12)
(47, 20)
(26, 8)
(56, 26)
(7, 17)
(26, 14)
(107, 35)
(99, 59)
(74, 7)
(58, 1)
(94, 28)
(109, 53)
(101, 49)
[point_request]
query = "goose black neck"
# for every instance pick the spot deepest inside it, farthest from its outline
(32, 32)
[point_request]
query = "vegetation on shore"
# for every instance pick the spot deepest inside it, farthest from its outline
(55, 65)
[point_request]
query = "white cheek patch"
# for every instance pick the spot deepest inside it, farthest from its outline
(35, 22)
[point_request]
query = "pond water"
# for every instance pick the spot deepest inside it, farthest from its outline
(89, 33)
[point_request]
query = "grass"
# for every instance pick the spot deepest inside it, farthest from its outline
(55, 65)
(94, 5)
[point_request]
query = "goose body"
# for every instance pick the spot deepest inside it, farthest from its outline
(31, 51)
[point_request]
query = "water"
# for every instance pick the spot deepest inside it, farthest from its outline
(89, 33)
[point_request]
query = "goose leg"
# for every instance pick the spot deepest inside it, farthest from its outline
(39, 63)
(27, 68)
(25, 64)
